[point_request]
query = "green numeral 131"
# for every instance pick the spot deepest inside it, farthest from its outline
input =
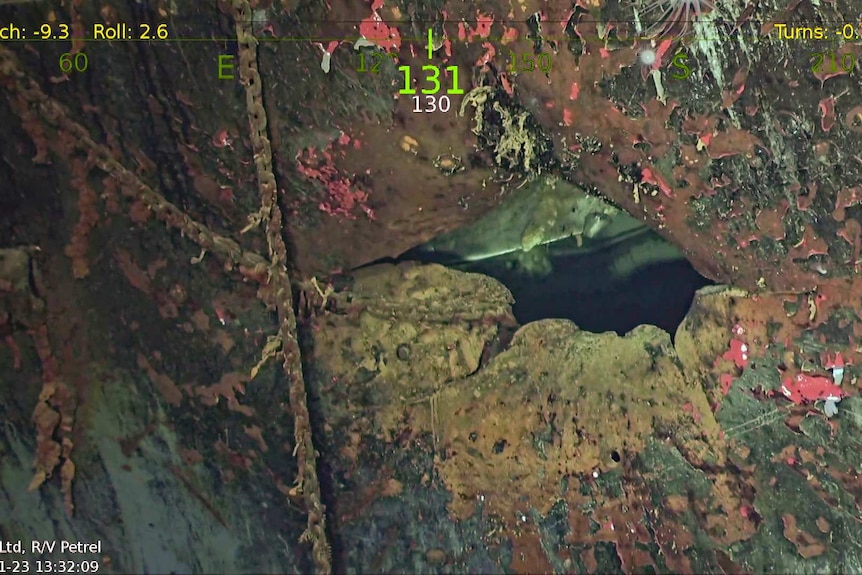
(433, 77)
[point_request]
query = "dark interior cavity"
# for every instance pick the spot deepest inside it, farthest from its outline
(589, 288)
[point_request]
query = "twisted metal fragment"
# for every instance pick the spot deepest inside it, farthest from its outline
(271, 213)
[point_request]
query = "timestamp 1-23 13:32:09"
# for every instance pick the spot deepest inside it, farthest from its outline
(66, 566)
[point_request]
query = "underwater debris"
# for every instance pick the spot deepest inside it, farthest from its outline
(830, 407)
(477, 97)
(672, 17)
(837, 367)
(517, 144)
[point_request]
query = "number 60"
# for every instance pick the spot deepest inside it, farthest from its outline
(78, 62)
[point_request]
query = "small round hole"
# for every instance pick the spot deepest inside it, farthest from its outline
(615, 456)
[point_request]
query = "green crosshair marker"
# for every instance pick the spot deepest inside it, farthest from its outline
(430, 44)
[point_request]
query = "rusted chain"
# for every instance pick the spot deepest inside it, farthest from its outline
(251, 264)
(20, 85)
(271, 213)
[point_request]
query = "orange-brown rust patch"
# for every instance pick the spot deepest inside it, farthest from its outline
(139, 212)
(619, 520)
(677, 503)
(770, 220)
(786, 455)
(190, 456)
(847, 197)
(728, 526)
(823, 525)
(227, 387)
(256, 433)
(137, 277)
(213, 193)
(851, 232)
(851, 482)
(392, 488)
(580, 523)
(528, 555)
(88, 217)
(353, 504)
(806, 456)
(741, 451)
(810, 245)
(234, 457)
(806, 544)
(224, 340)
(351, 449)
(201, 320)
(494, 436)
(732, 142)
(689, 173)
(737, 87)
(629, 532)
(673, 539)
(164, 384)
(588, 558)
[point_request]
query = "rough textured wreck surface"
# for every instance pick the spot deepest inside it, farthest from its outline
(140, 401)
(567, 450)
(123, 424)
(738, 146)
(747, 163)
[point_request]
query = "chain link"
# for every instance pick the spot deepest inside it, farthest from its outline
(28, 96)
(270, 212)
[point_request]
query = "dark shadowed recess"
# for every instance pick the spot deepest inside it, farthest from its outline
(659, 294)
(585, 289)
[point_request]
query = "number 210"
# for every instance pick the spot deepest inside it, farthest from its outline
(433, 77)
